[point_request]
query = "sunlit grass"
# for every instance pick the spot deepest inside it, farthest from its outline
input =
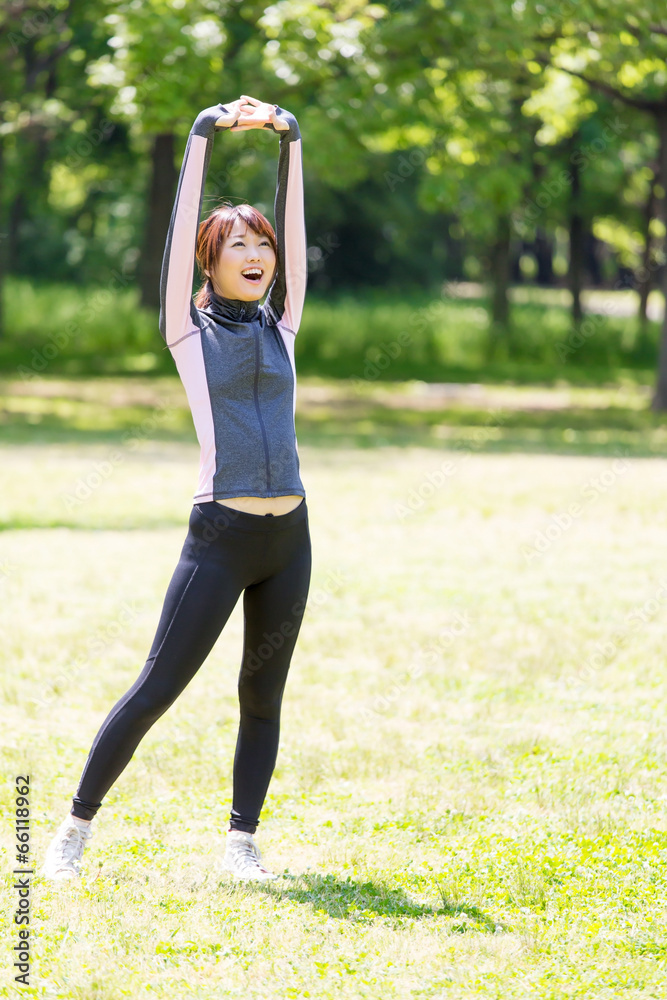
(468, 801)
(355, 411)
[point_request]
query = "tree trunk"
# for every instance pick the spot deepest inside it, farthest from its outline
(3, 237)
(575, 270)
(659, 401)
(500, 279)
(500, 272)
(544, 255)
(591, 258)
(164, 178)
(454, 249)
(516, 276)
(27, 207)
(644, 281)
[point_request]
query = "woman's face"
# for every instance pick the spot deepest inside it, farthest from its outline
(245, 264)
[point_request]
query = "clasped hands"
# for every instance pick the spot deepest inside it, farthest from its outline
(247, 112)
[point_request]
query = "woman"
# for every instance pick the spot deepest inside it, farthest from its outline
(248, 530)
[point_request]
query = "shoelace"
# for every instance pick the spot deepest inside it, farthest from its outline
(71, 847)
(246, 855)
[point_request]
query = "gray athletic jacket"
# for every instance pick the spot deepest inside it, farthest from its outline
(235, 358)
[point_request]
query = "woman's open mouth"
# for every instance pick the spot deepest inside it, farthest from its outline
(253, 274)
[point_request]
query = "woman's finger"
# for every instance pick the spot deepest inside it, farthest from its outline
(251, 100)
(244, 124)
(278, 123)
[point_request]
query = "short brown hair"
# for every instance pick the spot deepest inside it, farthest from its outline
(215, 229)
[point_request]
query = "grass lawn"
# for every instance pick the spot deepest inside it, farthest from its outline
(470, 793)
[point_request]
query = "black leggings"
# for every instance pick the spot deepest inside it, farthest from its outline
(226, 551)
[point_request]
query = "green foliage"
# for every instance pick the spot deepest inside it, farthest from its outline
(58, 328)
(440, 142)
(377, 335)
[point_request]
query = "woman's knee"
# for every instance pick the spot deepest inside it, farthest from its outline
(258, 703)
(150, 705)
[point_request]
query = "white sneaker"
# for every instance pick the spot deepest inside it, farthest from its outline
(242, 858)
(64, 853)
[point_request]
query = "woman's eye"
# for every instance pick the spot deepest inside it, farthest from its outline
(240, 243)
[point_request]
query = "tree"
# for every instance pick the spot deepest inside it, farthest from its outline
(206, 52)
(461, 104)
(34, 41)
(618, 51)
(166, 63)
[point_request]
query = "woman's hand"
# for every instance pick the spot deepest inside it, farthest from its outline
(257, 114)
(233, 112)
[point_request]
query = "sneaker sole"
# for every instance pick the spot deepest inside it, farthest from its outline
(61, 876)
(225, 870)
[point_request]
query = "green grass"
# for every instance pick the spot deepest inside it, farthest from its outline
(468, 801)
(380, 335)
(502, 417)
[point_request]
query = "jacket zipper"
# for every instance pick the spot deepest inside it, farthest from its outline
(259, 415)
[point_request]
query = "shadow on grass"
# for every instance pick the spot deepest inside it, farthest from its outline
(354, 900)
(124, 412)
(564, 434)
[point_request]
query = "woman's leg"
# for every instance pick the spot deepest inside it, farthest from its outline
(273, 609)
(210, 576)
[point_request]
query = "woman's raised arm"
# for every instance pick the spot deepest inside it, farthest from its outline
(284, 303)
(178, 315)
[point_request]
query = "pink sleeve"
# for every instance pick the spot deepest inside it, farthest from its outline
(178, 315)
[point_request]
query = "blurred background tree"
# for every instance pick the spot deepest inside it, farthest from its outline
(449, 150)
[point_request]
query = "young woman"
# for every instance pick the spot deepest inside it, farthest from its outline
(248, 530)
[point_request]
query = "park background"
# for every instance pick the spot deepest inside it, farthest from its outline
(469, 798)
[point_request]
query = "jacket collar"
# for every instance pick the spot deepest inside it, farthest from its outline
(236, 310)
